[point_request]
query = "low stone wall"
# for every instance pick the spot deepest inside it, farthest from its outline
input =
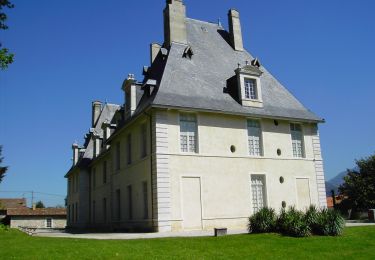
(36, 222)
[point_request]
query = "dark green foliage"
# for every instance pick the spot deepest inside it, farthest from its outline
(311, 218)
(3, 169)
(264, 221)
(329, 223)
(4, 227)
(39, 205)
(359, 186)
(6, 58)
(292, 222)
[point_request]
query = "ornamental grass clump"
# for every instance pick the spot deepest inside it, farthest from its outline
(264, 221)
(293, 223)
(330, 223)
(311, 217)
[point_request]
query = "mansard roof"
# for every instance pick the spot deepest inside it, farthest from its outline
(200, 83)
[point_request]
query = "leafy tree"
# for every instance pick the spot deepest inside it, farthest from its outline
(3, 169)
(359, 185)
(39, 205)
(6, 58)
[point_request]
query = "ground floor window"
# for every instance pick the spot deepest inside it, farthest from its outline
(258, 192)
(48, 222)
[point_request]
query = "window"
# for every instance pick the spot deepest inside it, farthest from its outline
(104, 172)
(48, 222)
(130, 203)
(118, 204)
(297, 140)
(129, 148)
(145, 200)
(258, 192)
(76, 216)
(254, 134)
(188, 133)
(72, 215)
(251, 91)
(105, 210)
(118, 154)
(93, 211)
(94, 178)
(143, 141)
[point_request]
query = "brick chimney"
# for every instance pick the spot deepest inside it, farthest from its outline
(235, 30)
(174, 23)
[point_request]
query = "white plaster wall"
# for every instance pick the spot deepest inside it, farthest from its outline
(225, 176)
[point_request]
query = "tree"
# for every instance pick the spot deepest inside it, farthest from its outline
(359, 186)
(6, 58)
(3, 169)
(39, 205)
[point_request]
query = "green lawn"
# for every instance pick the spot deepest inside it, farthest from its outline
(356, 243)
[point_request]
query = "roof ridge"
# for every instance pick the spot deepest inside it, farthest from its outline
(196, 20)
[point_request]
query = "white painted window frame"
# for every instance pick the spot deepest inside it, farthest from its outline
(261, 148)
(196, 150)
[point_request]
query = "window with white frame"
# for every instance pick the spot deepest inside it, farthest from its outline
(48, 222)
(251, 91)
(258, 192)
(297, 140)
(188, 133)
(143, 141)
(129, 149)
(254, 135)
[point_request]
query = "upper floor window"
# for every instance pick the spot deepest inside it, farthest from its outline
(297, 140)
(251, 91)
(94, 177)
(143, 140)
(129, 148)
(104, 172)
(254, 134)
(118, 154)
(188, 133)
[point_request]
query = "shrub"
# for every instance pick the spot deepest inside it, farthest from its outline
(311, 218)
(4, 227)
(330, 223)
(293, 223)
(263, 221)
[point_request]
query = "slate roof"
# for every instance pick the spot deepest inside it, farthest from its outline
(107, 113)
(12, 203)
(37, 212)
(199, 83)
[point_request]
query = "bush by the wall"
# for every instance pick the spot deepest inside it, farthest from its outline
(263, 221)
(4, 227)
(311, 217)
(293, 223)
(330, 223)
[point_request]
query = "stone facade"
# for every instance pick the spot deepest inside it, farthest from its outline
(37, 222)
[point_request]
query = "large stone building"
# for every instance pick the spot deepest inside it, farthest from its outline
(206, 139)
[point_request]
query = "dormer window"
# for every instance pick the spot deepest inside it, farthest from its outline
(249, 87)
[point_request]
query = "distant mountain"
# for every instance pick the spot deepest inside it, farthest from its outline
(335, 182)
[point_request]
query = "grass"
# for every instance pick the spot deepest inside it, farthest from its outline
(356, 243)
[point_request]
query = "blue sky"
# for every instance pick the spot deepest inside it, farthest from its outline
(69, 53)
